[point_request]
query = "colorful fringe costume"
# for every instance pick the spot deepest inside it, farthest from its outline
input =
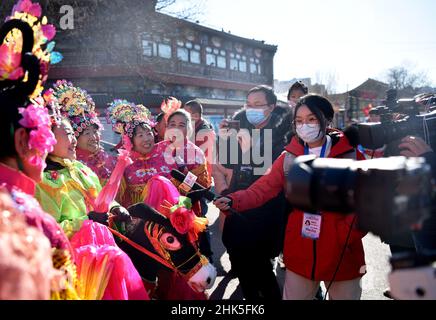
(101, 163)
(68, 191)
(22, 189)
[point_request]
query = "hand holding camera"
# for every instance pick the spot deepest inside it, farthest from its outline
(228, 127)
(413, 147)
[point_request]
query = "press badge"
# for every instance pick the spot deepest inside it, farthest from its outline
(311, 226)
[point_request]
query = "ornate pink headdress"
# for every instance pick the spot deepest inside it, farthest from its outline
(76, 105)
(42, 49)
(26, 37)
(125, 116)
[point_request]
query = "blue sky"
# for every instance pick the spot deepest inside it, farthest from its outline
(346, 40)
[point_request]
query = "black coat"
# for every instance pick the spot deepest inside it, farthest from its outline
(261, 229)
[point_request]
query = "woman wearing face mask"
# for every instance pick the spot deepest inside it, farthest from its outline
(311, 257)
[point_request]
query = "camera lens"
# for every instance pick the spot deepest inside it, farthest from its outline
(313, 184)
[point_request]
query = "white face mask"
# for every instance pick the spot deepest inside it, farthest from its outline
(310, 134)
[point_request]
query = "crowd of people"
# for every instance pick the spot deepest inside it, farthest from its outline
(66, 204)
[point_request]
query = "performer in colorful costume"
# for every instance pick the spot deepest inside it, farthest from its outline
(68, 191)
(25, 54)
(135, 123)
(26, 266)
(78, 106)
(165, 244)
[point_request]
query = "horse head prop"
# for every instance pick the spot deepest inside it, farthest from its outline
(170, 233)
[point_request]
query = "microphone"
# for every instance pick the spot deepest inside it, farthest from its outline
(209, 195)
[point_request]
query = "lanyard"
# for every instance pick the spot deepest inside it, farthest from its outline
(323, 150)
(322, 154)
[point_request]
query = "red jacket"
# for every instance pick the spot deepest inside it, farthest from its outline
(316, 260)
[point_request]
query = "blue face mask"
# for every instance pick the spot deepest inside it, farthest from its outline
(255, 116)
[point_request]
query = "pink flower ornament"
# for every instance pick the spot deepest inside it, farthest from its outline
(182, 220)
(27, 6)
(10, 64)
(41, 138)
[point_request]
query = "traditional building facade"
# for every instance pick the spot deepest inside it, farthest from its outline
(126, 49)
(353, 105)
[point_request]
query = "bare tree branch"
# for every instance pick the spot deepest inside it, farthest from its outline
(402, 78)
(328, 79)
(188, 10)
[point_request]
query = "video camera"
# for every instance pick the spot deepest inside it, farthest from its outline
(375, 135)
(391, 197)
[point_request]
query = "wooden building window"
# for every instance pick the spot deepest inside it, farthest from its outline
(216, 58)
(238, 62)
(255, 67)
(156, 47)
(164, 50)
(188, 52)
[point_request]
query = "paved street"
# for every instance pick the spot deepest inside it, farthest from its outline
(374, 282)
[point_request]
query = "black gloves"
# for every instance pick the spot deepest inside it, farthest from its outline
(196, 195)
(102, 218)
(121, 214)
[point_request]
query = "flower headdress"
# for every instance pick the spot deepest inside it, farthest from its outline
(125, 116)
(183, 218)
(42, 48)
(23, 71)
(37, 118)
(169, 106)
(77, 105)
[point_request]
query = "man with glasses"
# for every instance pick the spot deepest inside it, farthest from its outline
(254, 237)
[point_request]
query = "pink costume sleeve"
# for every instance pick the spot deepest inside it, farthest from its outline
(104, 270)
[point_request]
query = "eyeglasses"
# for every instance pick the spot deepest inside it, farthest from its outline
(312, 123)
(255, 107)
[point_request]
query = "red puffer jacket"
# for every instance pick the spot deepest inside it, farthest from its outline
(316, 260)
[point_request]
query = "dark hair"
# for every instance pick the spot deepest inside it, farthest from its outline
(144, 126)
(270, 96)
(160, 117)
(299, 85)
(319, 106)
(195, 106)
(15, 94)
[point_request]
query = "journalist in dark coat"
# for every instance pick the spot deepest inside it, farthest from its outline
(254, 237)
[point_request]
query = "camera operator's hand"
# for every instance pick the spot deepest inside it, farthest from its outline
(99, 217)
(223, 203)
(121, 214)
(224, 131)
(413, 147)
